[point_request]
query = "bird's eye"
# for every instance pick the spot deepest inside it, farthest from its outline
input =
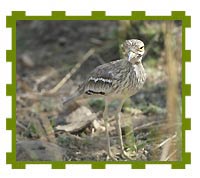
(141, 47)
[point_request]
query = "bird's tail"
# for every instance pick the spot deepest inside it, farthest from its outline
(68, 99)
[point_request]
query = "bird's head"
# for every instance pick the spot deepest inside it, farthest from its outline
(133, 50)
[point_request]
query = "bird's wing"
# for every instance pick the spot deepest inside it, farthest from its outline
(101, 78)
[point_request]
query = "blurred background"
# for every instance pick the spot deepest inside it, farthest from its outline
(54, 58)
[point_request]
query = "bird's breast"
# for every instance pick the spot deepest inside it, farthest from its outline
(132, 82)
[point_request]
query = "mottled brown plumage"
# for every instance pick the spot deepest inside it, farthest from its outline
(116, 80)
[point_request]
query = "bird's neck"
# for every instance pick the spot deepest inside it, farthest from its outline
(136, 61)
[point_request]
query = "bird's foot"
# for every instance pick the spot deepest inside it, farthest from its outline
(112, 156)
(126, 155)
(121, 155)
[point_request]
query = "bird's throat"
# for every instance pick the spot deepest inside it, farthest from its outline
(137, 62)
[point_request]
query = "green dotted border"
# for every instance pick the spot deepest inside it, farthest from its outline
(96, 15)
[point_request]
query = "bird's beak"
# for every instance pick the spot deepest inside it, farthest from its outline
(131, 55)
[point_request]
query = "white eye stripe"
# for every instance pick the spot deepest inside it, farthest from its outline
(100, 79)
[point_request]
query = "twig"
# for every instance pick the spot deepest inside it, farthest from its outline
(165, 141)
(146, 125)
(45, 77)
(165, 150)
(20, 125)
(172, 154)
(31, 95)
(68, 76)
(99, 58)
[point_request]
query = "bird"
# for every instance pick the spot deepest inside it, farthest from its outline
(116, 80)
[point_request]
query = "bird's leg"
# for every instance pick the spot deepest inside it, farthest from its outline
(117, 116)
(105, 116)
